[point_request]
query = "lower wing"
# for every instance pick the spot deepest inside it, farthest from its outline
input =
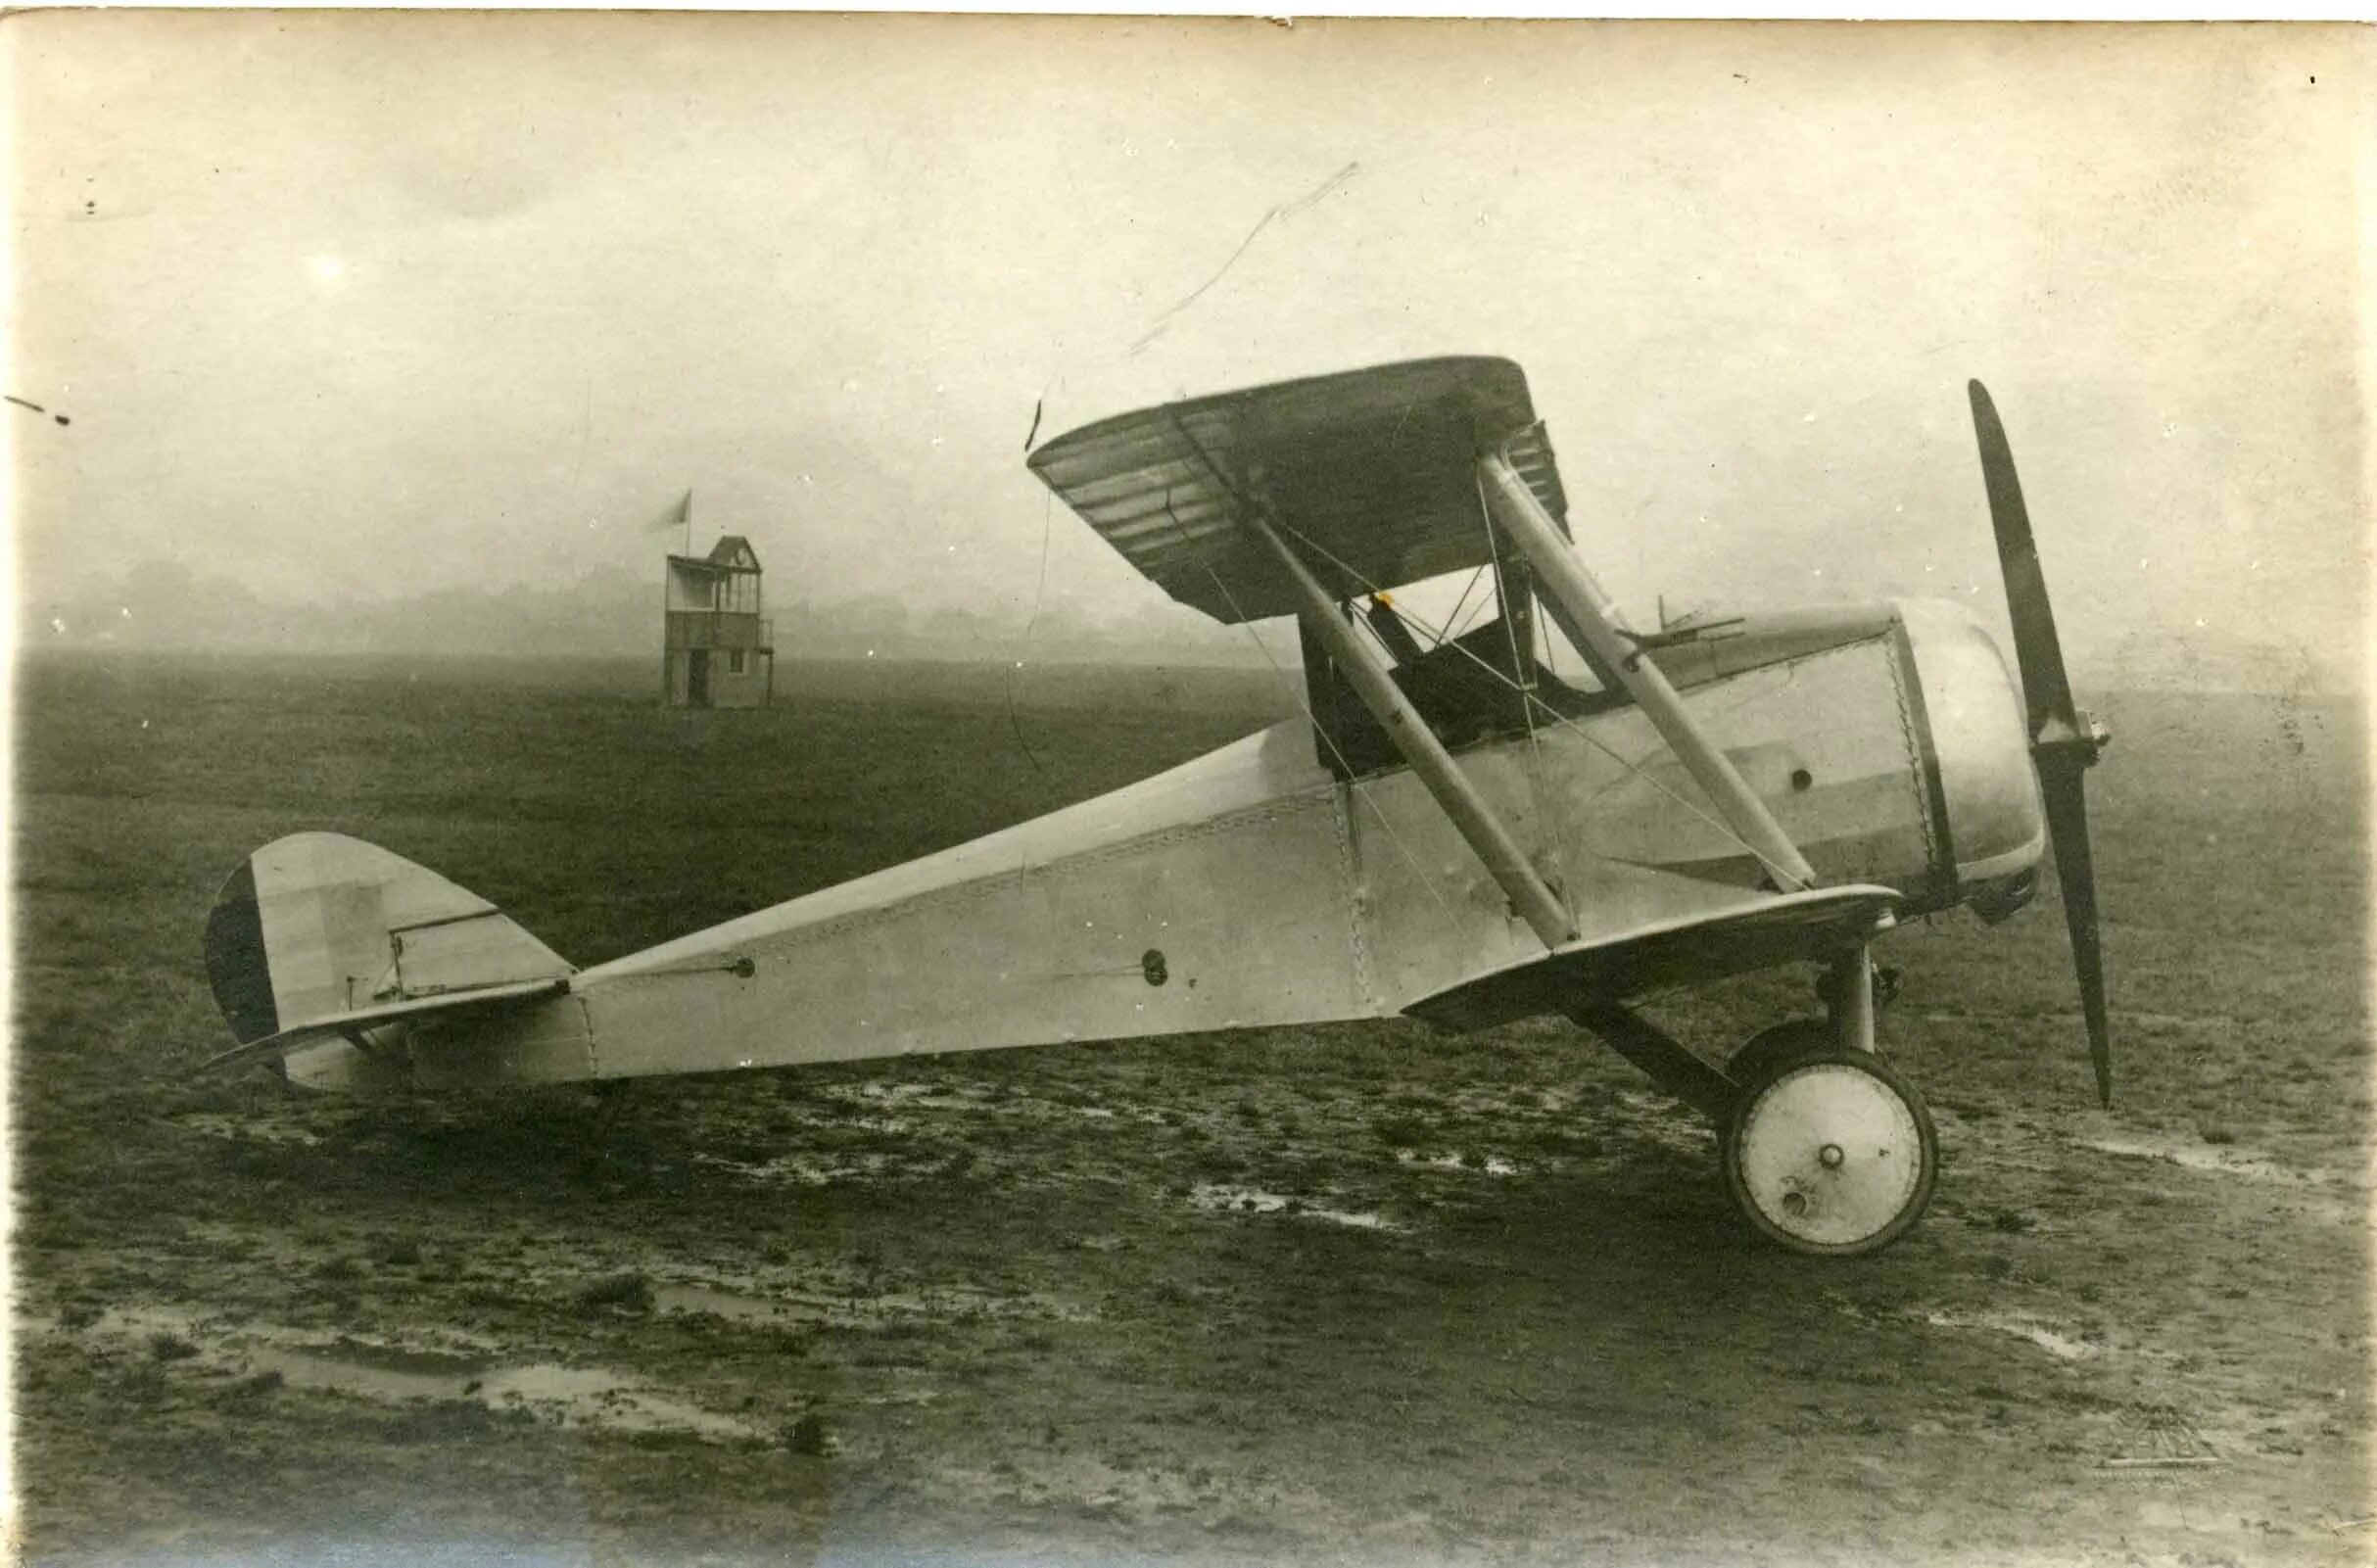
(1783, 930)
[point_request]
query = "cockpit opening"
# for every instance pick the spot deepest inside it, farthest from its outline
(1488, 684)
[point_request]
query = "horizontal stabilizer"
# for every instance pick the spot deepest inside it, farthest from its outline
(487, 999)
(1372, 474)
(319, 934)
(1779, 930)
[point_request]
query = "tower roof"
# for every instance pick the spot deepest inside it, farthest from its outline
(731, 554)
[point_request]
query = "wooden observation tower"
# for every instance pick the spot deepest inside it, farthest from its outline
(717, 647)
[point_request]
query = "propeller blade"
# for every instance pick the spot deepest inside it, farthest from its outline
(2036, 650)
(2064, 788)
(2064, 743)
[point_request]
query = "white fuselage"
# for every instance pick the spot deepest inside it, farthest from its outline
(1252, 886)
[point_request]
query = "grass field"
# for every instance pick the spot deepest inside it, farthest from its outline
(1359, 1294)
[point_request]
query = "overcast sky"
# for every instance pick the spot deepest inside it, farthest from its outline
(347, 305)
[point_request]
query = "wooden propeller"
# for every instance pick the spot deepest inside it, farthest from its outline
(2065, 742)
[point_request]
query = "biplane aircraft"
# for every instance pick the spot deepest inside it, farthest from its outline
(1453, 831)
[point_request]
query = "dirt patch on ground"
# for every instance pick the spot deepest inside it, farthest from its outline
(1268, 1332)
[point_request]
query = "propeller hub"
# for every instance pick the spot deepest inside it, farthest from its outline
(2082, 739)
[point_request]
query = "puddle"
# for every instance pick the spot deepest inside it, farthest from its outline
(1491, 1165)
(2063, 1346)
(2330, 1197)
(891, 1099)
(737, 1307)
(1254, 1200)
(576, 1396)
(800, 1171)
(2220, 1022)
(573, 1396)
(971, 1299)
(398, 1361)
(2218, 1159)
(1664, 1121)
(785, 1308)
(221, 1124)
(922, 1095)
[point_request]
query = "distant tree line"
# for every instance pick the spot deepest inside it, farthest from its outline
(609, 612)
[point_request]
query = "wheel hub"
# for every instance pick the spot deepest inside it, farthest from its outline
(1833, 1154)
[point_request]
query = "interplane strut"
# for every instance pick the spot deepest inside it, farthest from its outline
(1529, 894)
(1587, 615)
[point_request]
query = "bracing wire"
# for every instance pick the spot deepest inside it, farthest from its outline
(1510, 635)
(1467, 588)
(1455, 633)
(1013, 724)
(1353, 783)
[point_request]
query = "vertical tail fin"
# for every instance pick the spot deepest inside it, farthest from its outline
(318, 925)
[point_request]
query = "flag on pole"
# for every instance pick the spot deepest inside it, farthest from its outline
(678, 516)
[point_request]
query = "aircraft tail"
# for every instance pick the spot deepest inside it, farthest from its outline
(319, 934)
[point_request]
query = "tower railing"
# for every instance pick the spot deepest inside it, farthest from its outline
(718, 629)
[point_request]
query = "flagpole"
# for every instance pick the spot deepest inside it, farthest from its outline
(688, 522)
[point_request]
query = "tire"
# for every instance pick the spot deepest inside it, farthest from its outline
(1769, 1049)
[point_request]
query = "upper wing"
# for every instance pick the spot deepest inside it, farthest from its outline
(1777, 930)
(1373, 473)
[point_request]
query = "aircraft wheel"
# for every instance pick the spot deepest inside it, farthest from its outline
(1832, 1154)
(1769, 1048)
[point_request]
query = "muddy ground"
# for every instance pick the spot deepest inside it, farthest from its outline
(1360, 1295)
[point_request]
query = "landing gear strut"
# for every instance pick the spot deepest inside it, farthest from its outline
(1826, 1149)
